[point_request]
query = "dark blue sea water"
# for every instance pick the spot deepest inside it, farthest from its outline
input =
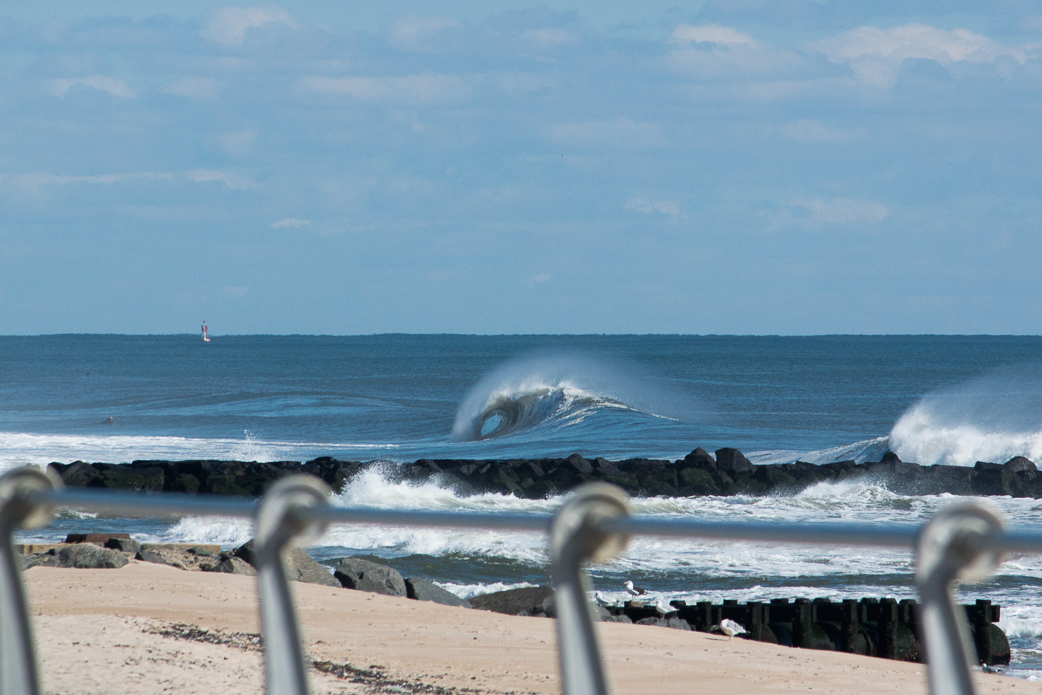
(949, 399)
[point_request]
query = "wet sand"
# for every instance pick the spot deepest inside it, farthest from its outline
(149, 628)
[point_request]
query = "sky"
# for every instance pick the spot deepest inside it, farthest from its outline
(737, 167)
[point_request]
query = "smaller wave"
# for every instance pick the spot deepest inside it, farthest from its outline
(865, 450)
(472, 590)
(28, 449)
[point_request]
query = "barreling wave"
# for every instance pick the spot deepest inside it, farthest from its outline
(558, 391)
(510, 411)
(992, 418)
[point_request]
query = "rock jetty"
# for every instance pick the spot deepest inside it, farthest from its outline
(698, 474)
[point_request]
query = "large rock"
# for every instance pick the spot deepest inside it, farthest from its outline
(363, 575)
(233, 565)
(79, 555)
(426, 590)
(732, 461)
(300, 567)
(193, 559)
(532, 600)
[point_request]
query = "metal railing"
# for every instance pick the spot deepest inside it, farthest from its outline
(964, 541)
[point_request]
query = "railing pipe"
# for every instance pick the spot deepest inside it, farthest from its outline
(280, 524)
(577, 537)
(18, 671)
(954, 544)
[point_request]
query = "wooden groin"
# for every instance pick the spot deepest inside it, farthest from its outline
(885, 628)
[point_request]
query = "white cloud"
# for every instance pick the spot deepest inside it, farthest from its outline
(198, 88)
(840, 211)
(712, 33)
(538, 279)
(238, 143)
(619, 132)
(412, 89)
(229, 179)
(876, 54)
(117, 88)
(649, 207)
(811, 132)
(290, 223)
(419, 33)
(35, 180)
(550, 38)
(228, 25)
(713, 51)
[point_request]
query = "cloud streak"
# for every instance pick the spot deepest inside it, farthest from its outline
(422, 89)
(102, 83)
(876, 54)
(228, 26)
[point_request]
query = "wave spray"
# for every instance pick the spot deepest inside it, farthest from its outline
(991, 418)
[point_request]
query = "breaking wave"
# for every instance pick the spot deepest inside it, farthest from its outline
(991, 418)
(560, 390)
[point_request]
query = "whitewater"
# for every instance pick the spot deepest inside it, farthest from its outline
(930, 399)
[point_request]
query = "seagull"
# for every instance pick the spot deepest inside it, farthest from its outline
(664, 608)
(729, 628)
(634, 590)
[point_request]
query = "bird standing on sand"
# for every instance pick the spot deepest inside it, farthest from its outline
(729, 628)
(635, 590)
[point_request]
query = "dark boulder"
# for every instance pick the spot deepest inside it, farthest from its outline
(699, 458)
(78, 474)
(695, 482)
(300, 567)
(426, 590)
(533, 600)
(123, 545)
(579, 465)
(117, 477)
(233, 565)
(732, 461)
(1020, 464)
(363, 575)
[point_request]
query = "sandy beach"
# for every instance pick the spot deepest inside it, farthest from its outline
(149, 628)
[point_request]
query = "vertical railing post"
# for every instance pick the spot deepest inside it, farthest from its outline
(279, 523)
(954, 544)
(18, 673)
(575, 537)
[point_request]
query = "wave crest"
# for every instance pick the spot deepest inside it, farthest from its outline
(560, 390)
(510, 411)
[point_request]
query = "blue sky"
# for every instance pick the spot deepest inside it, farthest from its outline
(335, 167)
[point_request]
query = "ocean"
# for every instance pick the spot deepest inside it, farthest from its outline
(395, 398)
